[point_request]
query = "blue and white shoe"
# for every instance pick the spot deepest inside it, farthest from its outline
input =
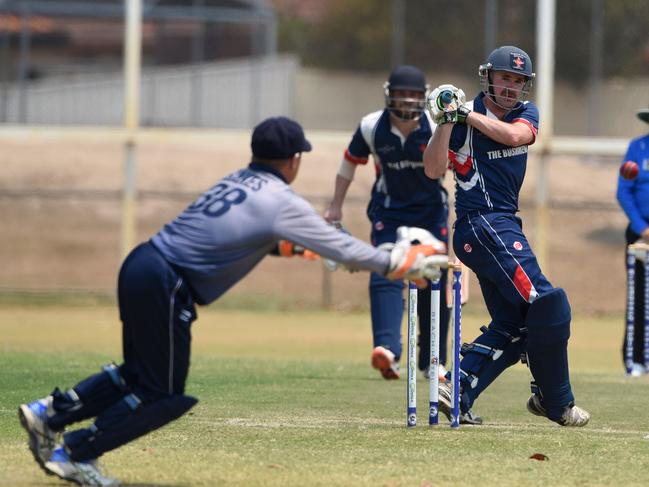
(83, 473)
(33, 417)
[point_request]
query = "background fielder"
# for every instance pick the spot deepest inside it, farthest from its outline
(633, 196)
(401, 195)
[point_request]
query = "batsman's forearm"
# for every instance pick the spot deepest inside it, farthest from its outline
(436, 152)
(511, 134)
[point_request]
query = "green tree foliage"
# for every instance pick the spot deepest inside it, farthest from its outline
(354, 35)
(449, 35)
(626, 37)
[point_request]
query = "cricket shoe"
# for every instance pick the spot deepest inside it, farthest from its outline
(637, 370)
(384, 360)
(445, 407)
(441, 374)
(33, 418)
(83, 473)
(572, 415)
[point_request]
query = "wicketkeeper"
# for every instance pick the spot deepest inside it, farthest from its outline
(192, 260)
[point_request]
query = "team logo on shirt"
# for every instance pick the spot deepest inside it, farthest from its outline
(385, 149)
(379, 226)
(467, 248)
(518, 245)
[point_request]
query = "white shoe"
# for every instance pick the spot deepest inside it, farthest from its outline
(384, 360)
(446, 409)
(441, 373)
(637, 370)
(83, 473)
(33, 418)
(572, 415)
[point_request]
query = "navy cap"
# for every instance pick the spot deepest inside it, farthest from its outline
(643, 115)
(278, 138)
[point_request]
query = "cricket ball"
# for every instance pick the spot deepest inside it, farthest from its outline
(629, 170)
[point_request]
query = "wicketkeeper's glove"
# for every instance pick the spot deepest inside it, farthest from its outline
(417, 262)
(289, 249)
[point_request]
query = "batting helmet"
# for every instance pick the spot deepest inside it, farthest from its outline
(406, 78)
(510, 59)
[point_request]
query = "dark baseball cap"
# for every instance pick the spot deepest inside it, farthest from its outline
(643, 114)
(278, 138)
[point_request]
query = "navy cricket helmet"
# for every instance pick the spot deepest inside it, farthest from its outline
(510, 59)
(408, 106)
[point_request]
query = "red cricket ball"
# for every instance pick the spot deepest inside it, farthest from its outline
(629, 170)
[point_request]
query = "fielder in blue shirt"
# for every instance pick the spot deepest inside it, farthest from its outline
(485, 142)
(194, 259)
(633, 196)
(396, 137)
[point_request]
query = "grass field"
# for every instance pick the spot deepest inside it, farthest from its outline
(289, 399)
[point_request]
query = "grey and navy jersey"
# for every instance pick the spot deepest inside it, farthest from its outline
(400, 180)
(222, 235)
(488, 174)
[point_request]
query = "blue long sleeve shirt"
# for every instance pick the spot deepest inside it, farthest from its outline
(633, 195)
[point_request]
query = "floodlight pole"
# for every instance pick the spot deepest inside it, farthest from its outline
(545, 18)
(132, 68)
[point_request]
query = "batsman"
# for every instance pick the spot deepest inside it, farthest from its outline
(485, 142)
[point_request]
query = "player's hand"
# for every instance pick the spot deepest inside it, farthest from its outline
(333, 214)
(462, 113)
(645, 235)
(443, 103)
(289, 249)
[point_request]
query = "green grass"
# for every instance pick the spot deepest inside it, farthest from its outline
(290, 399)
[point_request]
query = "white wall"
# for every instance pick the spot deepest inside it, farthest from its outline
(239, 93)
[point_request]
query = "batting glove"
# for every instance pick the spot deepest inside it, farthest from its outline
(443, 102)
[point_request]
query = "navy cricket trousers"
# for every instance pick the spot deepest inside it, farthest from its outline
(494, 247)
(157, 310)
